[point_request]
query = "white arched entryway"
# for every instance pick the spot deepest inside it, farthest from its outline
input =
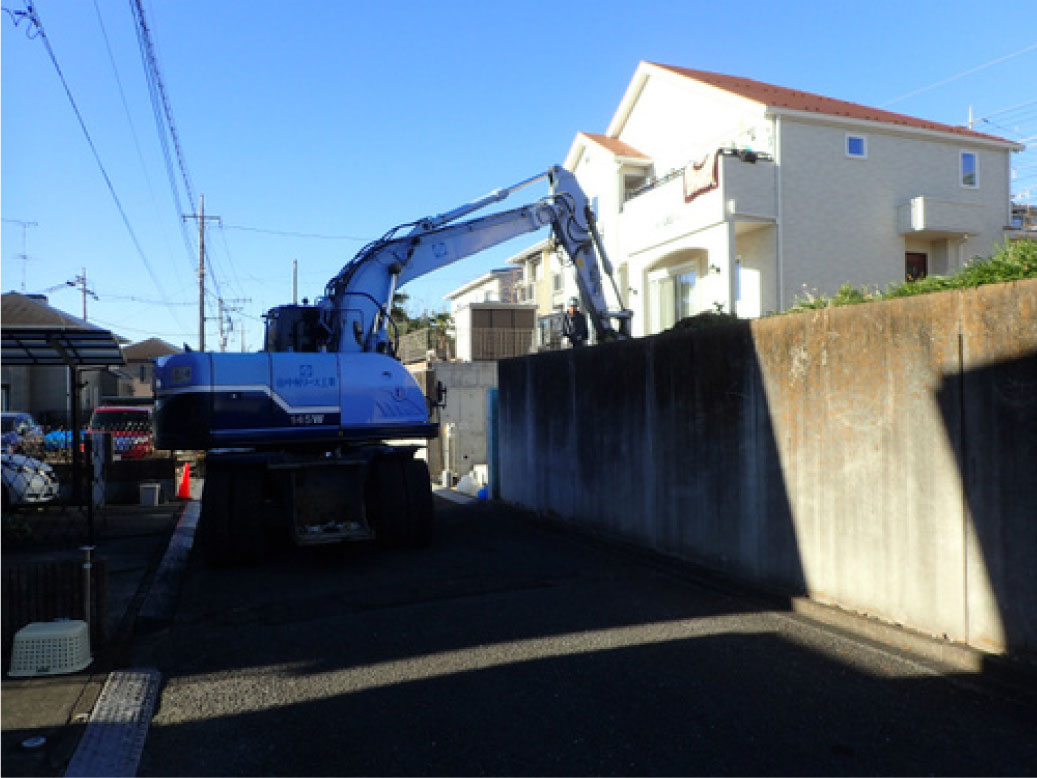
(673, 287)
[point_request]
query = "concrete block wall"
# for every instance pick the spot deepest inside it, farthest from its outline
(878, 457)
(466, 385)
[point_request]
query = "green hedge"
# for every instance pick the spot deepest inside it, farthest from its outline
(1013, 261)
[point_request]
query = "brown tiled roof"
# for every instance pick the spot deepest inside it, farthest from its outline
(798, 100)
(24, 311)
(148, 349)
(615, 145)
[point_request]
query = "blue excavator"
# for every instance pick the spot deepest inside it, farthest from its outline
(299, 436)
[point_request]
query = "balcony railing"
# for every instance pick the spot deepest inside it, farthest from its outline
(655, 183)
(500, 343)
(425, 346)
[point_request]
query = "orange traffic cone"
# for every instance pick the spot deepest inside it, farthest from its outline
(183, 492)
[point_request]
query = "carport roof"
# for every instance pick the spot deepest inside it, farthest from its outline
(43, 345)
(34, 333)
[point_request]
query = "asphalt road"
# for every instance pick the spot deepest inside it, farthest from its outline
(512, 648)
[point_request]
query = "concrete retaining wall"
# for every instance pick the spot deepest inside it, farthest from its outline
(882, 457)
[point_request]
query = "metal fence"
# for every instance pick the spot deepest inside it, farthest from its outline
(55, 494)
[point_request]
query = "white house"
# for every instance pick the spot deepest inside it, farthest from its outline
(490, 322)
(719, 192)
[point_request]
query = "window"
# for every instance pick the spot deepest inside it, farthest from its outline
(969, 170)
(672, 295)
(856, 146)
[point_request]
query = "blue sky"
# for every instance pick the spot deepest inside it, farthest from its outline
(342, 119)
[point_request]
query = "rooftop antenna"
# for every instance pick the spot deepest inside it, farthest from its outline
(24, 257)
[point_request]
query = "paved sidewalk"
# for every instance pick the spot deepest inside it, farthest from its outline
(133, 541)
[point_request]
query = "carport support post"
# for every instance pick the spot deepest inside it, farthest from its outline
(77, 486)
(88, 569)
(90, 455)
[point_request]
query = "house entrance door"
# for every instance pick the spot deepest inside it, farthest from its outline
(916, 265)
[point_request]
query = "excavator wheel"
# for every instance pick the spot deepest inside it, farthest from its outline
(399, 501)
(231, 526)
(419, 502)
(386, 501)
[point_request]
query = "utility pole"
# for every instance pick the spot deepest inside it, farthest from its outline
(24, 257)
(80, 281)
(295, 282)
(201, 217)
(224, 313)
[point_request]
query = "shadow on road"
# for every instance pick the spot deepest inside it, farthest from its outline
(512, 648)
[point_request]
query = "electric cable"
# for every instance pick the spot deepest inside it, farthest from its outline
(291, 234)
(42, 35)
(969, 72)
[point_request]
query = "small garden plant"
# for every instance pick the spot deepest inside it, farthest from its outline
(1013, 261)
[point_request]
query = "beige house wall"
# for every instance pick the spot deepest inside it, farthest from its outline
(840, 214)
(805, 218)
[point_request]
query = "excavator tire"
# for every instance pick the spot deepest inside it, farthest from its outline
(213, 525)
(231, 526)
(420, 513)
(386, 500)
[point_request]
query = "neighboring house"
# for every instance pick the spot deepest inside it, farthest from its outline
(44, 391)
(718, 192)
(489, 321)
(140, 364)
(547, 284)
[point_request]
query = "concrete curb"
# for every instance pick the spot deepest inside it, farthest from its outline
(1013, 676)
(114, 738)
(955, 655)
(160, 602)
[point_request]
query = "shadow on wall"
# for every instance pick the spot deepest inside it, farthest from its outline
(664, 441)
(989, 411)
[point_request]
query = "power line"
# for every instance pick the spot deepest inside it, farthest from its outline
(289, 234)
(30, 13)
(126, 111)
(1007, 110)
(969, 72)
(126, 327)
(164, 125)
(151, 68)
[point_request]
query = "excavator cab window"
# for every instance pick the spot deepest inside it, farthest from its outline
(293, 328)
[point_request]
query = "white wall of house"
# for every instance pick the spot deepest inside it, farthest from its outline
(806, 218)
(497, 286)
(677, 120)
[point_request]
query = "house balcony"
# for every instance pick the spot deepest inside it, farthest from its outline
(743, 191)
(927, 217)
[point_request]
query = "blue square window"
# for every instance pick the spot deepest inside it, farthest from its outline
(856, 146)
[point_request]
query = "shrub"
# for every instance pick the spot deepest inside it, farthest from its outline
(1012, 261)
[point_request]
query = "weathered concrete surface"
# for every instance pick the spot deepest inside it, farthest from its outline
(997, 455)
(879, 457)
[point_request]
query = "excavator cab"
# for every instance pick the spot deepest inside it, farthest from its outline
(294, 328)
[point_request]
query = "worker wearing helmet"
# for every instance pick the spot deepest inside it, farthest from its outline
(574, 324)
